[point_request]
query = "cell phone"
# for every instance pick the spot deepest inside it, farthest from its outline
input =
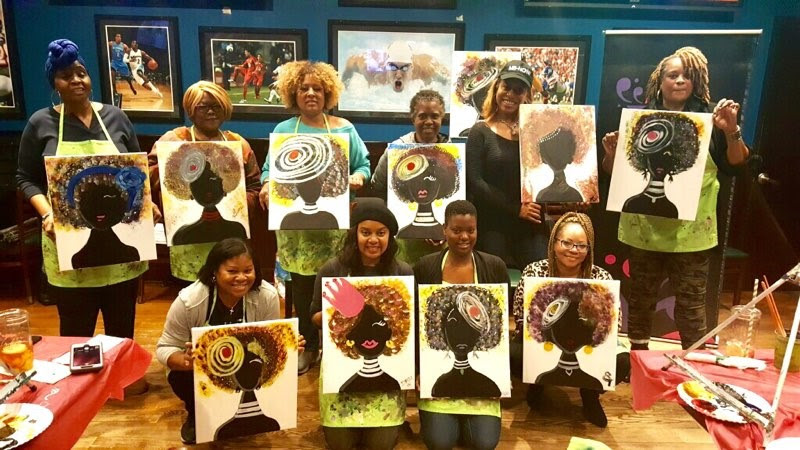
(86, 358)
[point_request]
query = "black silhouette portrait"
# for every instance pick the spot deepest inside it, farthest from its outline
(369, 321)
(244, 359)
(557, 150)
(309, 167)
(661, 145)
(571, 315)
(423, 175)
(204, 172)
(105, 196)
(463, 320)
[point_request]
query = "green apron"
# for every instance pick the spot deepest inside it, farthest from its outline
(92, 276)
(185, 261)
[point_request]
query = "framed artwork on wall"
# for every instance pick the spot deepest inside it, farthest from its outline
(383, 64)
(246, 62)
(421, 4)
(12, 105)
(139, 66)
(560, 64)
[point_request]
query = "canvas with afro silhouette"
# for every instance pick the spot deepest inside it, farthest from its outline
(368, 334)
(308, 181)
(245, 378)
(102, 210)
(558, 154)
(570, 332)
(203, 191)
(464, 341)
(423, 180)
(660, 162)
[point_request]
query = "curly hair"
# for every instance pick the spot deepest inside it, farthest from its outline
(425, 95)
(596, 306)
(445, 299)
(695, 66)
(541, 121)
(444, 164)
(69, 177)
(192, 157)
(291, 77)
(309, 148)
(219, 352)
(391, 299)
(194, 95)
(586, 223)
(677, 132)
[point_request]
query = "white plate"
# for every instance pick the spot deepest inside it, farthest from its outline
(724, 411)
(30, 421)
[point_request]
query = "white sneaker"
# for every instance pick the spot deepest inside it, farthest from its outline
(242, 101)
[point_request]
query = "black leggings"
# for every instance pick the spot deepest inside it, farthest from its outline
(302, 287)
(78, 308)
(374, 438)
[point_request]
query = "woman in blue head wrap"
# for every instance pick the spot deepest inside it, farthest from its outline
(78, 126)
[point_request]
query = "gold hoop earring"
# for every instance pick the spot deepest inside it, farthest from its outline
(350, 343)
(548, 346)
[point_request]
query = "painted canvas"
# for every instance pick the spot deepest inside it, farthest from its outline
(423, 180)
(202, 191)
(555, 70)
(473, 74)
(558, 154)
(308, 181)
(570, 335)
(102, 210)
(464, 341)
(368, 334)
(245, 378)
(659, 163)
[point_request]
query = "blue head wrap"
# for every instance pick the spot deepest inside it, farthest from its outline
(61, 53)
(129, 179)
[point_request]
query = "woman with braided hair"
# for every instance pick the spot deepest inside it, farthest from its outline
(570, 254)
(662, 246)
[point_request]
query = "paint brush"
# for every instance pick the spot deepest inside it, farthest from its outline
(773, 309)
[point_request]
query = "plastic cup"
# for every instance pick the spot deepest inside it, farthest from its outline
(780, 351)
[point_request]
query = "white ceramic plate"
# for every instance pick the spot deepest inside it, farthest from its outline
(28, 421)
(722, 411)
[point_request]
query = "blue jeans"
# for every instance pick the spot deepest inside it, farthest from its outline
(445, 431)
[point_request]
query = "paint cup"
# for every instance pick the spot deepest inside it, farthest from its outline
(16, 347)
(780, 351)
(739, 338)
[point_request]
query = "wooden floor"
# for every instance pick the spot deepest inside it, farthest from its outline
(153, 420)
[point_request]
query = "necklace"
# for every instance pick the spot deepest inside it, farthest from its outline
(234, 306)
(513, 127)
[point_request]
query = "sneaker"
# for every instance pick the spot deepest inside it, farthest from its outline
(188, 436)
(306, 361)
(243, 101)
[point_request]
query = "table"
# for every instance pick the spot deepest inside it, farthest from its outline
(650, 384)
(75, 400)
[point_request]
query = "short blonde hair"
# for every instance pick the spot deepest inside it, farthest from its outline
(695, 66)
(489, 108)
(292, 74)
(194, 94)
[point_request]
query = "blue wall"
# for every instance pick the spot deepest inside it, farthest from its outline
(37, 23)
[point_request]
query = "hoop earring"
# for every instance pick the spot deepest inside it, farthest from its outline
(53, 103)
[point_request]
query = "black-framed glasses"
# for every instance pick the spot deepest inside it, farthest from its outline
(569, 245)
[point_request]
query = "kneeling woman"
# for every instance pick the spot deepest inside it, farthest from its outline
(351, 418)
(475, 421)
(570, 254)
(229, 290)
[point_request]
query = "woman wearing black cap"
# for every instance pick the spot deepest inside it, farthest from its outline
(369, 420)
(510, 229)
(78, 126)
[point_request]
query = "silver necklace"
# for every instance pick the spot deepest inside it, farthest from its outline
(512, 126)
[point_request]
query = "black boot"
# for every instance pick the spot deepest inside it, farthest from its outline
(592, 409)
(188, 436)
(534, 396)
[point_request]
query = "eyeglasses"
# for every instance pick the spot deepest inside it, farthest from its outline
(394, 67)
(206, 108)
(569, 245)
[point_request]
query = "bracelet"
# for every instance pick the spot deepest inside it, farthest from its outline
(47, 214)
(736, 135)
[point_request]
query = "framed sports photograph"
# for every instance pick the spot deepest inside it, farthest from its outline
(140, 66)
(383, 64)
(11, 104)
(246, 63)
(560, 64)
(421, 4)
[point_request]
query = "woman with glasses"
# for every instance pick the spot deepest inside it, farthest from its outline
(208, 107)
(570, 254)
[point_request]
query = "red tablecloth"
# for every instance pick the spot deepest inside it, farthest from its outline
(75, 400)
(650, 384)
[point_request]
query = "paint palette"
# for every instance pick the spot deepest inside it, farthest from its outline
(26, 420)
(711, 406)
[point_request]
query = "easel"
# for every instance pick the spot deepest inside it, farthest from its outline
(766, 420)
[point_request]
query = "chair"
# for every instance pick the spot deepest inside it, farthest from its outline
(737, 266)
(17, 253)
